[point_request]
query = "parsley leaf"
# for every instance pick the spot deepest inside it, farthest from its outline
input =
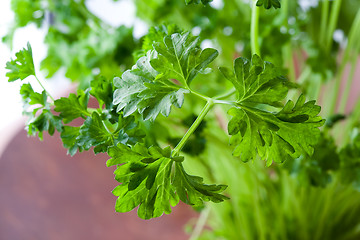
(37, 123)
(142, 89)
(96, 132)
(180, 57)
(274, 136)
(149, 87)
(269, 3)
(73, 107)
(155, 181)
(102, 90)
(46, 121)
(69, 138)
(22, 66)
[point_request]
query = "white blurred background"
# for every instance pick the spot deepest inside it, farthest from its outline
(11, 120)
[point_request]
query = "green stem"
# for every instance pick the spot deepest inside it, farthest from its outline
(324, 18)
(199, 95)
(200, 223)
(199, 119)
(226, 95)
(44, 88)
(351, 49)
(254, 29)
(346, 92)
(332, 25)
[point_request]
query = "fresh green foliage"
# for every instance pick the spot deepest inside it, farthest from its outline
(350, 161)
(142, 89)
(149, 182)
(271, 116)
(149, 88)
(180, 57)
(73, 107)
(22, 66)
(316, 169)
(40, 117)
(269, 3)
(275, 136)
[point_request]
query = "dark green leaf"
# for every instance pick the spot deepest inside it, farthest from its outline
(99, 133)
(94, 133)
(149, 182)
(274, 136)
(141, 89)
(68, 137)
(268, 3)
(46, 121)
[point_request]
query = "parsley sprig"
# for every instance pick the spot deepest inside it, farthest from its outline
(151, 176)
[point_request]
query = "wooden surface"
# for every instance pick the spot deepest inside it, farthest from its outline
(46, 194)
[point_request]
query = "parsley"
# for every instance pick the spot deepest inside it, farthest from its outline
(269, 3)
(154, 180)
(22, 66)
(275, 136)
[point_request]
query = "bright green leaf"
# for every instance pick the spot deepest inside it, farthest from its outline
(273, 136)
(180, 57)
(22, 66)
(140, 90)
(154, 181)
(73, 107)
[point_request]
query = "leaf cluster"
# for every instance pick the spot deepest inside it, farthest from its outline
(275, 136)
(154, 180)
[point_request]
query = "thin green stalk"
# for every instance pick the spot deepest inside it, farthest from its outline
(226, 95)
(199, 95)
(350, 49)
(324, 20)
(44, 88)
(200, 224)
(199, 119)
(332, 24)
(254, 29)
(346, 92)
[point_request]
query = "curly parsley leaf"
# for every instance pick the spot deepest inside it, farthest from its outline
(153, 180)
(150, 87)
(46, 121)
(180, 57)
(143, 89)
(69, 138)
(96, 132)
(274, 136)
(73, 107)
(37, 109)
(102, 90)
(22, 66)
(269, 3)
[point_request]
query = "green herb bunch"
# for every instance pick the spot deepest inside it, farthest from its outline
(183, 109)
